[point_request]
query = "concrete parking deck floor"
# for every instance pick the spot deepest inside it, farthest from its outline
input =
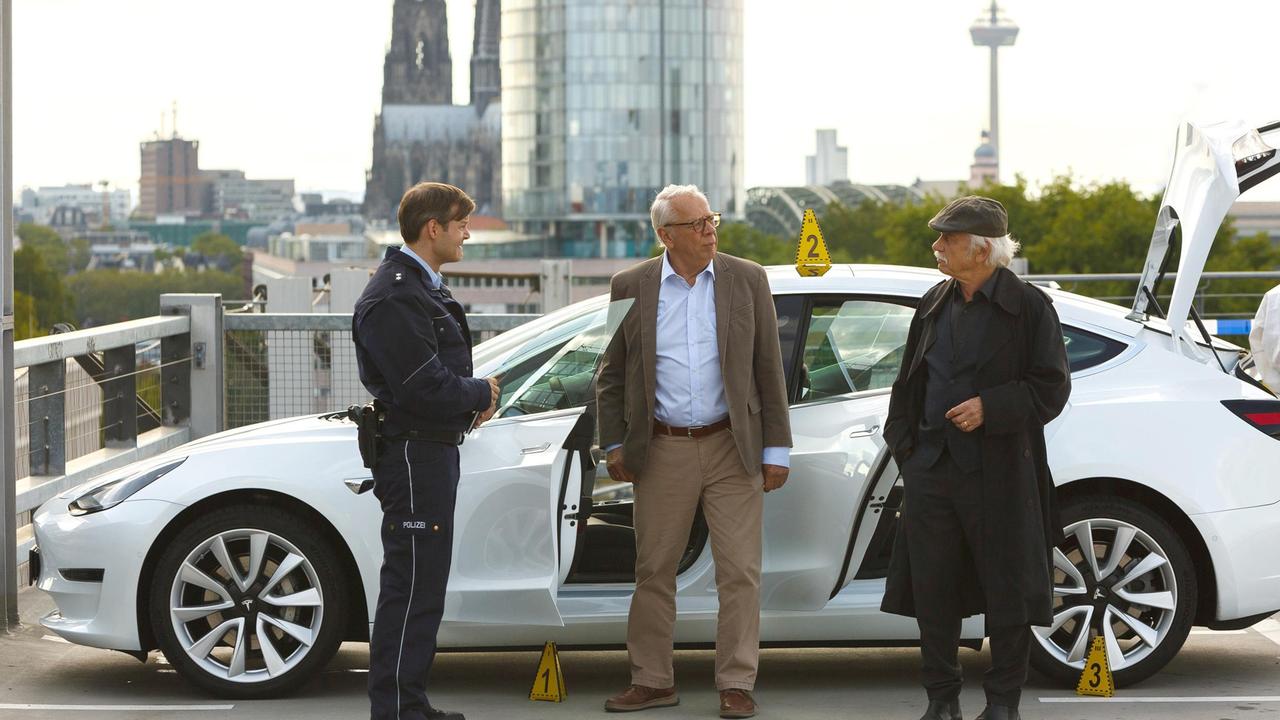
(1217, 675)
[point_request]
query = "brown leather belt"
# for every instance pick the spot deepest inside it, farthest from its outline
(661, 428)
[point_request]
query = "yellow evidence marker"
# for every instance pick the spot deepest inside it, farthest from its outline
(812, 259)
(1096, 678)
(548, 684)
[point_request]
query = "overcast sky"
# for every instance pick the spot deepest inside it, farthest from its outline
(289, 88)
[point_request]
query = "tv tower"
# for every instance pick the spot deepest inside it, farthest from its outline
(994, 30)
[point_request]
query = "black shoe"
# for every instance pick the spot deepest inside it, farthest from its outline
(435, 714)
(999, 712)
(943, 710)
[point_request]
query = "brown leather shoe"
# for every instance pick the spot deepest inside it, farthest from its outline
(735, 703)
(639, 697)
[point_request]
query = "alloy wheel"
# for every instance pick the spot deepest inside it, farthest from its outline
(246, 605)
(1113, 580)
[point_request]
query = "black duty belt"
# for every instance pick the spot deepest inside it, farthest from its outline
(441, 436)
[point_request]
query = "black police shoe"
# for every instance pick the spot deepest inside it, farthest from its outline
(943, 710)
(435, 714)
(999, 712)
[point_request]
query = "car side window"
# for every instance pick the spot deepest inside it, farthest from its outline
(1086, 349)
(852, 346)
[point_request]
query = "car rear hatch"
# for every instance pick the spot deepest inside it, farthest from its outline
(1212, 166)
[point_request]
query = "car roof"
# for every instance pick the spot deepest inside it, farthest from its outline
(912, 282)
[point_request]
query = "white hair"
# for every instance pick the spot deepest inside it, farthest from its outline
(1003, 248)
(660, 210)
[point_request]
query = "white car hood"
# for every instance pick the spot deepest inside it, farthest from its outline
(296, 429)
(1212, 165)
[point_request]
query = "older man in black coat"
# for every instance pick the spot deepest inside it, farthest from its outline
(984, 370)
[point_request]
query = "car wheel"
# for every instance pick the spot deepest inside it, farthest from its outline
(247, 602)
(1123, 574)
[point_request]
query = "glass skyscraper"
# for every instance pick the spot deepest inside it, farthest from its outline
(604, 102)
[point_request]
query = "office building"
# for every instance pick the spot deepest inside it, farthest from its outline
(604, 103)
(829, 163)
(170, 183)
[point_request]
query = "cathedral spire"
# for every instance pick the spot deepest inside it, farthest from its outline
(418, 68)
(486, 80)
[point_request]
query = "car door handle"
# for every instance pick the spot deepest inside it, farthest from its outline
(535, 449)
(358, 486)
(863, 431)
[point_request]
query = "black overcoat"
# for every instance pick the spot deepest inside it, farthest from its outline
(1023, 379)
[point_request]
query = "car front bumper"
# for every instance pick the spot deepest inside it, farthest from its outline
(90, 566)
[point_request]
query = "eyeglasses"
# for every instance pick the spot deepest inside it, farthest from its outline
(699, 225)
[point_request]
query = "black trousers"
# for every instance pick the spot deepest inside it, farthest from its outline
(943, 512)
(417, 484)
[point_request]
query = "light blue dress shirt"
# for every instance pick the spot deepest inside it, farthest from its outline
(433, 277)
(690, 387)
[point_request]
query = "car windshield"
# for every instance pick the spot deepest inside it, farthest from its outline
(559, 322)
(556, 369)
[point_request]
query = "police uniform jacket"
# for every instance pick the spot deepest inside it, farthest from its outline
(1024, 381)
(413, 348)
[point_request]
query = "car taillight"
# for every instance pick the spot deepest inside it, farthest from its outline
(1262, 414)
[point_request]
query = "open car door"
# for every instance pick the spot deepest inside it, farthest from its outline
(525, 474)
(853, 348)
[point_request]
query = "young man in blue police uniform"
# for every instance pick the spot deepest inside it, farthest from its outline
(413, 348)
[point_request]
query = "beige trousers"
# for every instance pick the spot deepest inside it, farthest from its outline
(679, 473)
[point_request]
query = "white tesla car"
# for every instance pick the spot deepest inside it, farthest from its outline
(249, 555)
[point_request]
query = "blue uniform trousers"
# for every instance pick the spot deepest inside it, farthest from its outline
(417, 484)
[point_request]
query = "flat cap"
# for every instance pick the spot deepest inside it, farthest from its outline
(972, 214)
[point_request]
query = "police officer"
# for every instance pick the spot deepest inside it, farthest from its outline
(413, 348)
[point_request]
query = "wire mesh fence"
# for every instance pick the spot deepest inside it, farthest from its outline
(281, 366)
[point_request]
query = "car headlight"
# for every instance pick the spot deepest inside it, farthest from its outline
(112, 492)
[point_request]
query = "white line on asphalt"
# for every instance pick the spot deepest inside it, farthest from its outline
(126, 708)
(1237, 699)
(1269, 629)
(1219, 632)
(55, 638)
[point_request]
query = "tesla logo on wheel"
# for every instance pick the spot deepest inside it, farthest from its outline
(247, 603)
(1097, 593)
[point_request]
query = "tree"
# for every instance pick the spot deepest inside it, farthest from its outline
(1239, 297)
(851, 233)
(33, 278)
(80, 254)
(24, 316)
(109, 296)
(49, 244)
(742, 240)
(219, 250)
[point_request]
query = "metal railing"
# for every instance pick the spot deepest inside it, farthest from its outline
(92, 400)
(89, 401)
(1219, 295)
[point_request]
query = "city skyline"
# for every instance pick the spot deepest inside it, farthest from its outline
(281, 90)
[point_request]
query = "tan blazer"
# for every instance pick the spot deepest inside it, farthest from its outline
(750, 361)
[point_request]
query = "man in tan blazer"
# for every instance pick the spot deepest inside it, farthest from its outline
(693, 409)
